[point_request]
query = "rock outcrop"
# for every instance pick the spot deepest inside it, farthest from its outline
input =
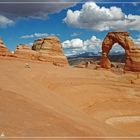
(50, 50)
(25, 52)
(47, 49)
(132, 51)
(4, 51)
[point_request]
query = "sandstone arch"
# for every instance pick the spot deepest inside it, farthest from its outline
(132, 51)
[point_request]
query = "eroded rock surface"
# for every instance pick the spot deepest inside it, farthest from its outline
(4, 51)
(50, 50)
(131, 49)
(25, 52)
(47, 49)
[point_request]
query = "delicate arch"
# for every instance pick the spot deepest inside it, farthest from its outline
(124, 40)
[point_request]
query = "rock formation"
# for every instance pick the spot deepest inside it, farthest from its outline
(3, 50)
(50, 50)
(131, 50)
(25, 52)
(47, 49)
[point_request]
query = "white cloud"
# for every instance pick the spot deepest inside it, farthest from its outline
(94, 17)
(38, 35)
(34, 35)
(76, 34)
(94, 44)
(78, 45)
(4, 21)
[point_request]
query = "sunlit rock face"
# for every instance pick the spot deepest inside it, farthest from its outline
(132, 51)
(25, 52)
(4, 51)
(50, 50)
(47, 49)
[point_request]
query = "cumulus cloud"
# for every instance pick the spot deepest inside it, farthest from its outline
(78, 45)
(94, 17)
(74, 43)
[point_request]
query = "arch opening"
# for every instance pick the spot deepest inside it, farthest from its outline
(117, 55)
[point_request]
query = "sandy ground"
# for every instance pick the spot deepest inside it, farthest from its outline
(50, 101)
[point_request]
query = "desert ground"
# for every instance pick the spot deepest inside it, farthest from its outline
(38, 99)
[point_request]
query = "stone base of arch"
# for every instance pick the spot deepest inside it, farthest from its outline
(105, 62)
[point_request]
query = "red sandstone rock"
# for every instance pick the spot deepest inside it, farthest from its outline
(105, 62)
(50, 50)
(3, 50)
(25, 52)
(131, 49)
(47, 49)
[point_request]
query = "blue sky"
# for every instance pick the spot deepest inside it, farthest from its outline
(78, 34)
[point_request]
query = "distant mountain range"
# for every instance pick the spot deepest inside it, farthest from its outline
(92, 54)
(85, 55)
(114, 57)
